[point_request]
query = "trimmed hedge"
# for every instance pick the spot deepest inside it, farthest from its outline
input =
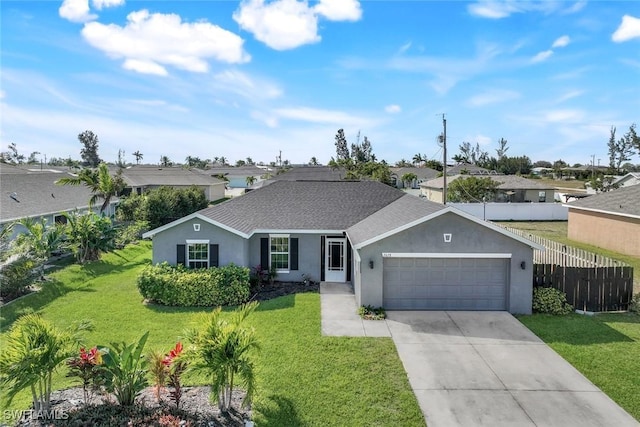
(184, 287)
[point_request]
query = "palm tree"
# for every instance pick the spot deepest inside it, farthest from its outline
(102, 184)
(313, 161)
(221, 350)
(408, 179)
(38, 240)
(418, 159)
(250, 180)
(138, 155)
(89, 235)
(165, 161)
(223, 161)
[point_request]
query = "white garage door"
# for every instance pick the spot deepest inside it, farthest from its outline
(445, 283)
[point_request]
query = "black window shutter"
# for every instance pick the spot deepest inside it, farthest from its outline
(349, 249)
(293, 254)
(322, 254)
(213, 255)
(264, 253)
(180, 254)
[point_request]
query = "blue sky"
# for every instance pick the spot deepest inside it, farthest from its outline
(251, 78)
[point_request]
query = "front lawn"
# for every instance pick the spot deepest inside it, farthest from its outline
(604, 347)
(303, 378)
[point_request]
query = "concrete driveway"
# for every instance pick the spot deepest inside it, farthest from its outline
(487, 369)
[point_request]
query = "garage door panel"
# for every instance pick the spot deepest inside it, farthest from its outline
(445, 283)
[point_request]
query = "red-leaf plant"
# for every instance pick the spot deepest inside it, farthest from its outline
(87, 367)
(175, 368)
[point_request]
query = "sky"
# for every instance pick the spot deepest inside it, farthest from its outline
(257, 78)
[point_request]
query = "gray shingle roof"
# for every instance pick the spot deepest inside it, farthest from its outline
(507, 182)
(421, 173)
(38, 195)
(311, 173)
(400, 212)
(625, 201)
(142, 176)
(303, 205)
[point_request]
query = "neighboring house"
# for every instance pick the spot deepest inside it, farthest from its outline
(422, 174)
(541, 171)
(398, 251)
(632, 178)
(511, 189)
(609, 220)
(304, 173)
(237, 175)
(138, 179)
(468, 169)
(31, 193)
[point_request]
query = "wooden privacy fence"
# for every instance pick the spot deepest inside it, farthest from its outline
(591, 282)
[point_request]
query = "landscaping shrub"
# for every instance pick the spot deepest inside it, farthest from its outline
(634, 306)
(131, 233)
(16, 276)
(180, 286)
(369, 312)
(550, 301)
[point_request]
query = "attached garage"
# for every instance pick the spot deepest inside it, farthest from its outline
(433, 282)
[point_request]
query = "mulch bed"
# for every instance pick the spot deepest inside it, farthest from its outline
(196, 408)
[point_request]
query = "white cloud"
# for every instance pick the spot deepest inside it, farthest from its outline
(542, 56)
(629, 29)
(493, 9)
(570, 95)
(339, 10)
(315, 115)
(144, 67)
(246, 86)
(492, 97)
(76, 11)
(564, 116)
(405, 47)
(561, 41)
(3, 94)
(393, 109)
(148, 42)
(102, 4)
(288, 24)
(267, 119)
(281, 25)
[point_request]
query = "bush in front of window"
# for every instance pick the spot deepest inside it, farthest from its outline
(184, 287)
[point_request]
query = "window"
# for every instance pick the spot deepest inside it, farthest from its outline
(279, 252)
(198, 254)
(60, 219)
(542, 196)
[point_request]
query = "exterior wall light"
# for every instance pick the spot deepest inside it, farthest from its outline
(523, 265)
(196, 227)
(371, 263)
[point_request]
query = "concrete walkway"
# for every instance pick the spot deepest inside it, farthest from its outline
(478, 368)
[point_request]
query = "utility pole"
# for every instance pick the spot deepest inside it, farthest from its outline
(444, 160)
(593, 165)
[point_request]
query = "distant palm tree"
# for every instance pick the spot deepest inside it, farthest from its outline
(165, 161)
(251, 180)
(417, 159)
(138, 155)
(102, 184)
(313, 161)
(223, 161)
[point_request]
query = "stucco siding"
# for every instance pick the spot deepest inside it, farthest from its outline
(309, 262)
(467, 237)
(232, 248)
(613, 232)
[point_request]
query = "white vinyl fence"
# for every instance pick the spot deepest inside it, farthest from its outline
(515, 211)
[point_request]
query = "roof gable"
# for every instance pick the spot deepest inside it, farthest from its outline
(624, 201)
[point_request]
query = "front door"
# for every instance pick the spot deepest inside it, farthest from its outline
(335, 263)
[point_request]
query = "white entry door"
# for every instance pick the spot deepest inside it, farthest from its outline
(335, 262)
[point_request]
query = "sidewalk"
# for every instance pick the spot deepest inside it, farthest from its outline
(339, 314)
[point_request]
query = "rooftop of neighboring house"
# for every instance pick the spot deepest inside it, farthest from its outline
(25, 193)
(238, 171)
(468, 169)
(421, 173)
(622, 201)
(143, 176)
(303, 205)
(506, 182)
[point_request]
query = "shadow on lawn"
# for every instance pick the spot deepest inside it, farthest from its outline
(575, 329)
(277, 411)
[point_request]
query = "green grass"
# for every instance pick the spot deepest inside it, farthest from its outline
(303, 378)
(562, 183)
(557, 231)
(605, 348)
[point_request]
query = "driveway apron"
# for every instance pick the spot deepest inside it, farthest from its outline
(487, 369)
